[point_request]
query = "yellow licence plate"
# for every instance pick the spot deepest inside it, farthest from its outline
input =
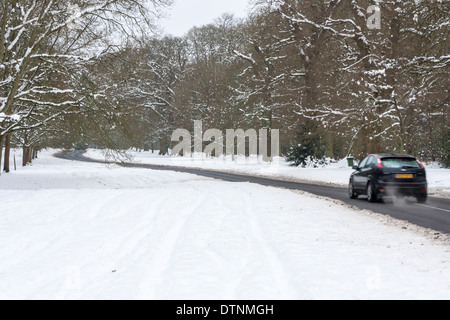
(404, 176)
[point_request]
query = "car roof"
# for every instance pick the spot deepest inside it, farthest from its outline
(393, 155)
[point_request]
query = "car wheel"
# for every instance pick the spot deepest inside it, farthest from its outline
(422, 198)
(351, 191)
(371, 194)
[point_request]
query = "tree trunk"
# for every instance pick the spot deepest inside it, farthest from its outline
(7, 152)
(164, 147)
(30, 155)
(1, 152)
(24, 156)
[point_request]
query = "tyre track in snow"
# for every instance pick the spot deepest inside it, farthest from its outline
(162, 260)
(280, 276)
(434, 216)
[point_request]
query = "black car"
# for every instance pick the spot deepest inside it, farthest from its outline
(381, 175)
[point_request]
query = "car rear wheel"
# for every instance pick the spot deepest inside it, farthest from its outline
(351, 191)
(371, 194)
(422, 198)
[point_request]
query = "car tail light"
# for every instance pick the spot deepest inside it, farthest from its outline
(421, 165)
(379, 163)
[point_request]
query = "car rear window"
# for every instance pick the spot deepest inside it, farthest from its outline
(397, 163)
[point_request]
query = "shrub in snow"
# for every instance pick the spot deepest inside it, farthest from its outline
(301, 155)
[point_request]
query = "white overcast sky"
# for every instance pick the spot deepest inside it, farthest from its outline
(186, 14)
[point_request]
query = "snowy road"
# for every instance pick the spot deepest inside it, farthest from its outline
(72, 230)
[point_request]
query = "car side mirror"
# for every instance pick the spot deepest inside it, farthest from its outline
(356, 168)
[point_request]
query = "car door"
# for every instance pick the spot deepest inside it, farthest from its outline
(367, 171)
(358, 179)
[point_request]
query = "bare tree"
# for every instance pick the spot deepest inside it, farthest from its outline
(45, 45)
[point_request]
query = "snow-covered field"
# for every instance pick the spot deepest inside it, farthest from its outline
(71, 230)
(336, 174)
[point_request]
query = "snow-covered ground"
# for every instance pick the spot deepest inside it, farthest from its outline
(336, 174)
(71, 230)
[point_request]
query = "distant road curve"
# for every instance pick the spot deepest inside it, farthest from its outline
(435, 214)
